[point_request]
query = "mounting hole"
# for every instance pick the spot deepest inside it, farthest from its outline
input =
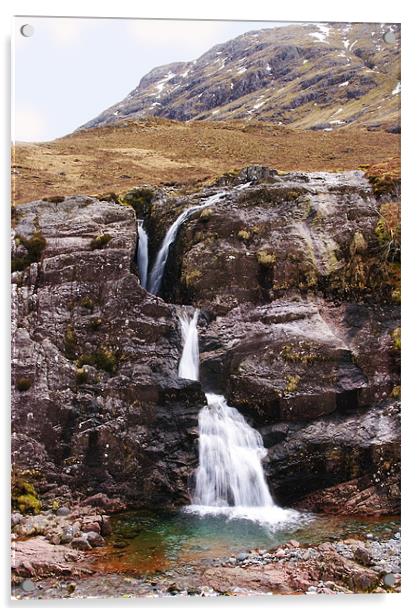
(27, 30)
(389, 37)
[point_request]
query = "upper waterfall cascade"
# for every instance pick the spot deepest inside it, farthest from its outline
(142, 254)
(157, 272)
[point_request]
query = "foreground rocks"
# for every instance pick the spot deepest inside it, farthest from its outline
(57, 543)
(350, 566)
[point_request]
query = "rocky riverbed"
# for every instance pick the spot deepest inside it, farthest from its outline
(58, 555)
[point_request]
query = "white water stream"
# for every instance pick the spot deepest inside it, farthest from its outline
(142, 254)
(230, 479)
(157, 271)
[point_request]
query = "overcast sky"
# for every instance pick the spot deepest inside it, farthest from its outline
(72, 69)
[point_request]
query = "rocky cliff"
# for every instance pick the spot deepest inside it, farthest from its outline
(297, 278)
(317, 76)
(97, 405)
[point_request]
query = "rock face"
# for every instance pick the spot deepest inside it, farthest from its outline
(323, 77)
(299, 328)
(97, 405)
(298, 287)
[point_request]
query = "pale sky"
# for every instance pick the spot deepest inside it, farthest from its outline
(72, 69)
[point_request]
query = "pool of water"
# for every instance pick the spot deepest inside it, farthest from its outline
(144, 542)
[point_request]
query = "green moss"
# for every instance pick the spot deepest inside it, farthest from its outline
(388, 230)
(100, 241)
(54, 199)
(396, 392)
(396, 296)
(35, 246)
(24, 496)
(292, 383)
(266, 259)
(23, 384)
(384, 184)
(138, 198)
(70, 342)
(103, 359)
(396, 338)
(190, 278)
(206, 214)
(87, 303)
(95, 323)
(358, 244)
(299, 355)
(244, 235)
(81, 376)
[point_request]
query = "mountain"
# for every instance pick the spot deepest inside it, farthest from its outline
(311, 76)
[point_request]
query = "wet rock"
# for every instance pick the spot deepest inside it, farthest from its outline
(91, 527)
(363, 556)
(106, 526)
(16, 518)
(68, 534)
(80, 543)
(28, 586)
(104, 503)
(94, 539)
(37, 557)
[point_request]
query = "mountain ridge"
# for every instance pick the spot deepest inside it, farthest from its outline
(312, 76)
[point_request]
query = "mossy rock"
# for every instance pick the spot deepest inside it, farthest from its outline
(189, 278)
(103, 359)
(81, 376)
(100, 241)
(244, 235)
(206, 214)
(266, 259)
(34, 245)
(23, 383)
(292, 383)
(396, 392)
(139, 199)
(24, 496)
(87, 302)
(95, 323)
(70, 342)
(396, 338)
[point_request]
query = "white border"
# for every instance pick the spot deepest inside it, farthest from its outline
(302, 10)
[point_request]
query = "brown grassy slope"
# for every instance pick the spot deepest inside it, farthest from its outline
(157, 151)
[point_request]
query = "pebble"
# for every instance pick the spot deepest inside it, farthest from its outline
(28, 586)
(63, 511)
(389, 579)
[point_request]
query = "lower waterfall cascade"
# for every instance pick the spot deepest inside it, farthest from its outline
(230, 478)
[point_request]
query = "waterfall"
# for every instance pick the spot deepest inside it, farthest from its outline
(189, 362)
(230, 472)
(157, 272)
(230, 478)
(142, 254)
